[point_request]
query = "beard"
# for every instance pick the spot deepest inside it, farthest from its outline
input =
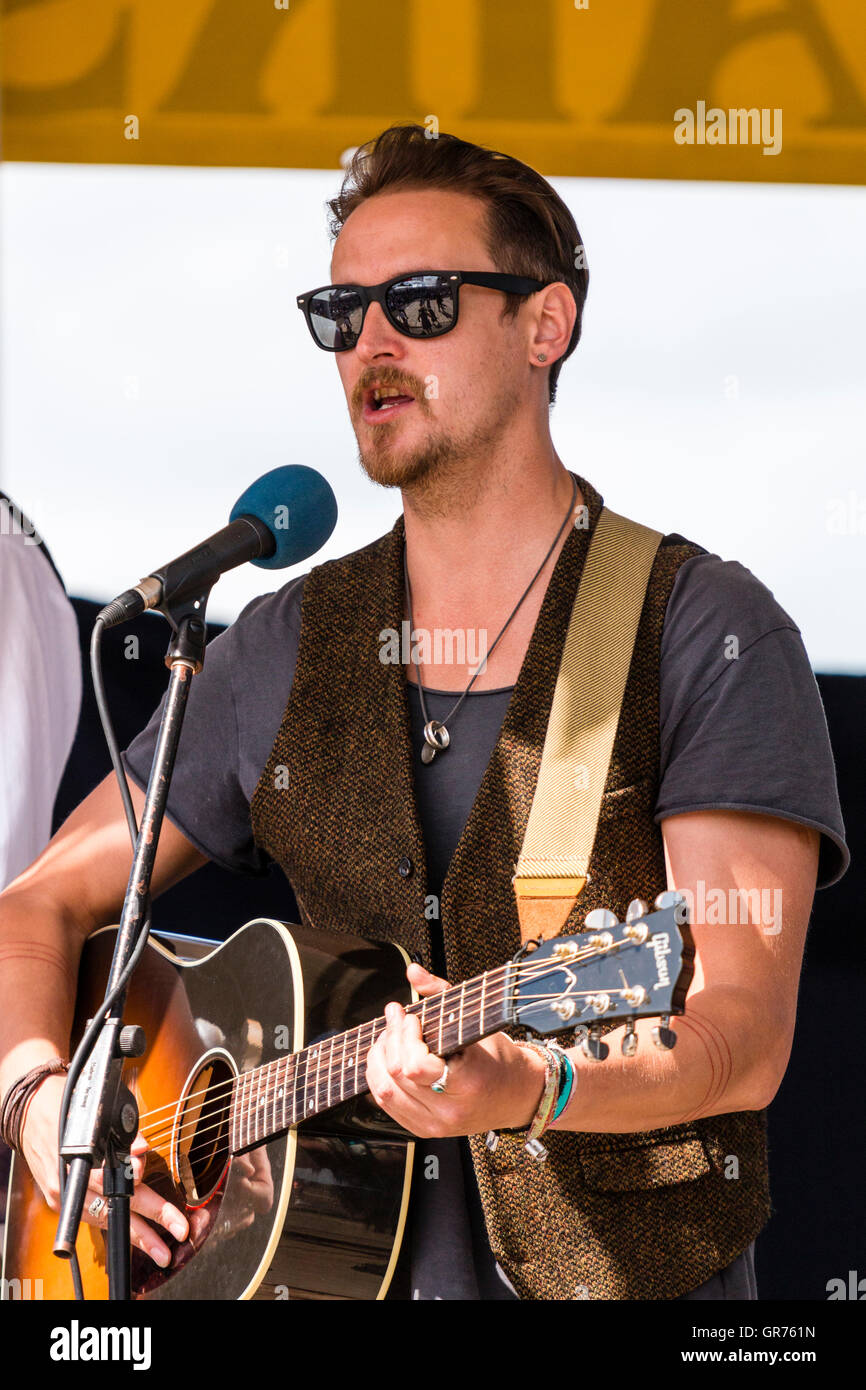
(445, 465)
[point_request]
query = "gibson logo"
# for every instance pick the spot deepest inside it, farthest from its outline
(661, 947)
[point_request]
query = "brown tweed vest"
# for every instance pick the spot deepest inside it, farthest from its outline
(647, 1215)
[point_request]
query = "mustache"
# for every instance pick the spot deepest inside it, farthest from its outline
(408, 385)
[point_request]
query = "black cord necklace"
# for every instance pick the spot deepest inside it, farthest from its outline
(436, 735)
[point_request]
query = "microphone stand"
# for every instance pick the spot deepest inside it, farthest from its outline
(103, 1115)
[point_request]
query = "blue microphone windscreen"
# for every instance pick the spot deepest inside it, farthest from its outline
(298, 507)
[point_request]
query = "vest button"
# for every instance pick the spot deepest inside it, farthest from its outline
(405, 867)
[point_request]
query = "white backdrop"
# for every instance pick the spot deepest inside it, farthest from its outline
(154, 363)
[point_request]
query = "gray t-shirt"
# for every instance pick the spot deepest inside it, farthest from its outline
(742, 728)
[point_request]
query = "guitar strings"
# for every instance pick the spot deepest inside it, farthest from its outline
(322, 1091)
(480, 990)
(323, 1086)
(320, 1100)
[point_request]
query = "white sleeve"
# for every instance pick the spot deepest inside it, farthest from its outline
(40, 697)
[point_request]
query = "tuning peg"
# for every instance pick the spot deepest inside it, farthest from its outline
(593, 1047)
(669, 898)
(636, 908)
(629, 1042)
(663, 1036)
(600, 919)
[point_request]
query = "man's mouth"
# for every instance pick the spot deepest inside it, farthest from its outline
(382, 402)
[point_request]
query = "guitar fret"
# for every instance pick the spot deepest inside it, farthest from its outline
(242, 1109)
(441, 1020)
(352, 1060)
(309, 1101)
(462, 1005)
(280, 1094)
(481, 1016)
(343, 1064)
(330, 1066)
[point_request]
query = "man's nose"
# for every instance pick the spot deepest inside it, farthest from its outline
(378, 337)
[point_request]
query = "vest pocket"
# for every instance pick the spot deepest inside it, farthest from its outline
(627, 1166)
(633, 799)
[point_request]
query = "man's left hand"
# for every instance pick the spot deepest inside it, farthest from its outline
(492, 1084)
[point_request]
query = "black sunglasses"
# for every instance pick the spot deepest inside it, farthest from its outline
(422, 304)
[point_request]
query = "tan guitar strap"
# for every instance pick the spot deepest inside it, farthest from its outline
(551, 871)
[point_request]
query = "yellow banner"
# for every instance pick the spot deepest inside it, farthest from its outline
(769, 90)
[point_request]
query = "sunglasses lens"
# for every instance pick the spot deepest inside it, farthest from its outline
(335, 317)
(422, 305)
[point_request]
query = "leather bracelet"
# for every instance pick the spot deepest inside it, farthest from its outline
(13, 1111)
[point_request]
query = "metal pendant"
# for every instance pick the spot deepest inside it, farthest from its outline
(437, 739)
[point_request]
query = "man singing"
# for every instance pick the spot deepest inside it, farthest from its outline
(394, 792)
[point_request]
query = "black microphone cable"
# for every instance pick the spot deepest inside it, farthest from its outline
(88, 1041)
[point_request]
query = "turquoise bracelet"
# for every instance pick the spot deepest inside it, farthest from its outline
(566, 1084)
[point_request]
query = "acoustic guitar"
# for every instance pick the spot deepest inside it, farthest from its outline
(258, 1047)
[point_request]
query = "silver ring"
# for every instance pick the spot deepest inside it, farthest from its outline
(96, 1206)
(436, 734)
(439, 1086)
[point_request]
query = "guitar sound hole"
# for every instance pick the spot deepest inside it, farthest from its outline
(200, 1147)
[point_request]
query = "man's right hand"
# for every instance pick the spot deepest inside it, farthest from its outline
(39, 1142)
(77, 885)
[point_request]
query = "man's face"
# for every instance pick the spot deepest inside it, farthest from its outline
(465, 386)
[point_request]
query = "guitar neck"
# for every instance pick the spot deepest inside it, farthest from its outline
(268, 1100)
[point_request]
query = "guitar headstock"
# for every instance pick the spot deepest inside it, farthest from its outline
(611, 972)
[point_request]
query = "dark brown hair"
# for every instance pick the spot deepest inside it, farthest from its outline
(530, 231)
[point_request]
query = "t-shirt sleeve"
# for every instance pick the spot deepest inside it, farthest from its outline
(233, 712)
(742, 723)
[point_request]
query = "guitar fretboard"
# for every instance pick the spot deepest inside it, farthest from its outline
(268, 1100)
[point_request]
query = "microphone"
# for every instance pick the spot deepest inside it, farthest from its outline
(285, 516)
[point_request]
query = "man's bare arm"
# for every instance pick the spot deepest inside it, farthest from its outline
(734, 1039)
(76, 885)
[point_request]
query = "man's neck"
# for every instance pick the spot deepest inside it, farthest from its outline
(488, 534)
(471, 557)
